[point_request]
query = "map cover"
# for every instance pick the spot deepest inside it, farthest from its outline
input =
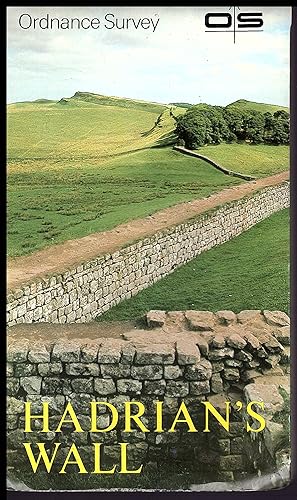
(148, 303)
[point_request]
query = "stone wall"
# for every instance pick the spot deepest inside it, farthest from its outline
(191, 357)
(80, 294)
(226, 171)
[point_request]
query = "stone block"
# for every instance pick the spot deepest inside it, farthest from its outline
(46, 369)
(217, 366)
(31, 385)
(9, 370)
(155, 355)
(25, 369)
(155, 318)
(89, 352)
(218, 341)
(276, 318)
(200, 371)
(156, 387)
(177, 388)
(231, 374)
(249, 315)
(12, 386)
(86, 369)
(53, 385)
(116, 371)
(172, 372)
(187, 354)
(226, 317)
(14, 405)
(237, 445)
(218, 354)
(119, 401)
(67, 353)
(197, 388)
(104, 386)
(200, 320)
(236, 341)
(39, 354)
(243, 356)
(252, 341)
(83, 384)
(109, 353)
(273, 360)
(149, 372)
(129, 386)
(231, 463)
(128, 353)
(269, 394)
(282, 335)
(216, 383)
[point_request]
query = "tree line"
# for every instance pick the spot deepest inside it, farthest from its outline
(205, 124)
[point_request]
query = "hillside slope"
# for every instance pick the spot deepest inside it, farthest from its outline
(83, 127)
(242, 104)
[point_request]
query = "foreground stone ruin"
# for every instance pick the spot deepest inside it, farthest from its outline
(191, 357)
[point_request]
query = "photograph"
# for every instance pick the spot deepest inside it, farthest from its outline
(148, 249)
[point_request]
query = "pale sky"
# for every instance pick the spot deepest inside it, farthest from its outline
(176, 62)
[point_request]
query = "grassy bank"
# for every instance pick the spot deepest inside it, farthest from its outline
(47, 207)
(257, 160)
(248, 272)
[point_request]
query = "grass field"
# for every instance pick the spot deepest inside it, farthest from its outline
(47, 208)
(48, 135)
(73, 165)
(248, 272)
(256, 160)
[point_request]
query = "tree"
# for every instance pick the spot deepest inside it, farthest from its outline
(192, 128)
(253, 125)
(280, 132)
(234, 121)
(204, 124)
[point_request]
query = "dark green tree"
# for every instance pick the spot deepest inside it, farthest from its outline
(253, 126)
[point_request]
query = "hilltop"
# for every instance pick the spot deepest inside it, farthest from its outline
(103, 100)
(243, 104)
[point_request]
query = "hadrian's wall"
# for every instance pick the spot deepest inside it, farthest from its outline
(80, 294)
(192, 357)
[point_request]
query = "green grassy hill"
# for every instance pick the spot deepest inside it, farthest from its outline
(258, 160)
(82, 127)
(242, 104)
(74, 164)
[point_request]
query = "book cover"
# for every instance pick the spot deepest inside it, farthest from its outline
(148, 340)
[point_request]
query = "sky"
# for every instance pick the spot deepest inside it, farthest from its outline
(178, 62)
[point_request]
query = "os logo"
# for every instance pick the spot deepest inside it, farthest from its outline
(234, 23)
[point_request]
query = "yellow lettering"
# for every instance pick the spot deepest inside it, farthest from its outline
(183, 409)
(29, 417)
(124, 469)
(217, 415)
(77, 461)
(159, 417)
(114, 416)
(129, 417)
(42, 455)
(256, 416)
(73, 419)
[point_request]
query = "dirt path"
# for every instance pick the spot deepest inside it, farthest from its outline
(58, 258)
